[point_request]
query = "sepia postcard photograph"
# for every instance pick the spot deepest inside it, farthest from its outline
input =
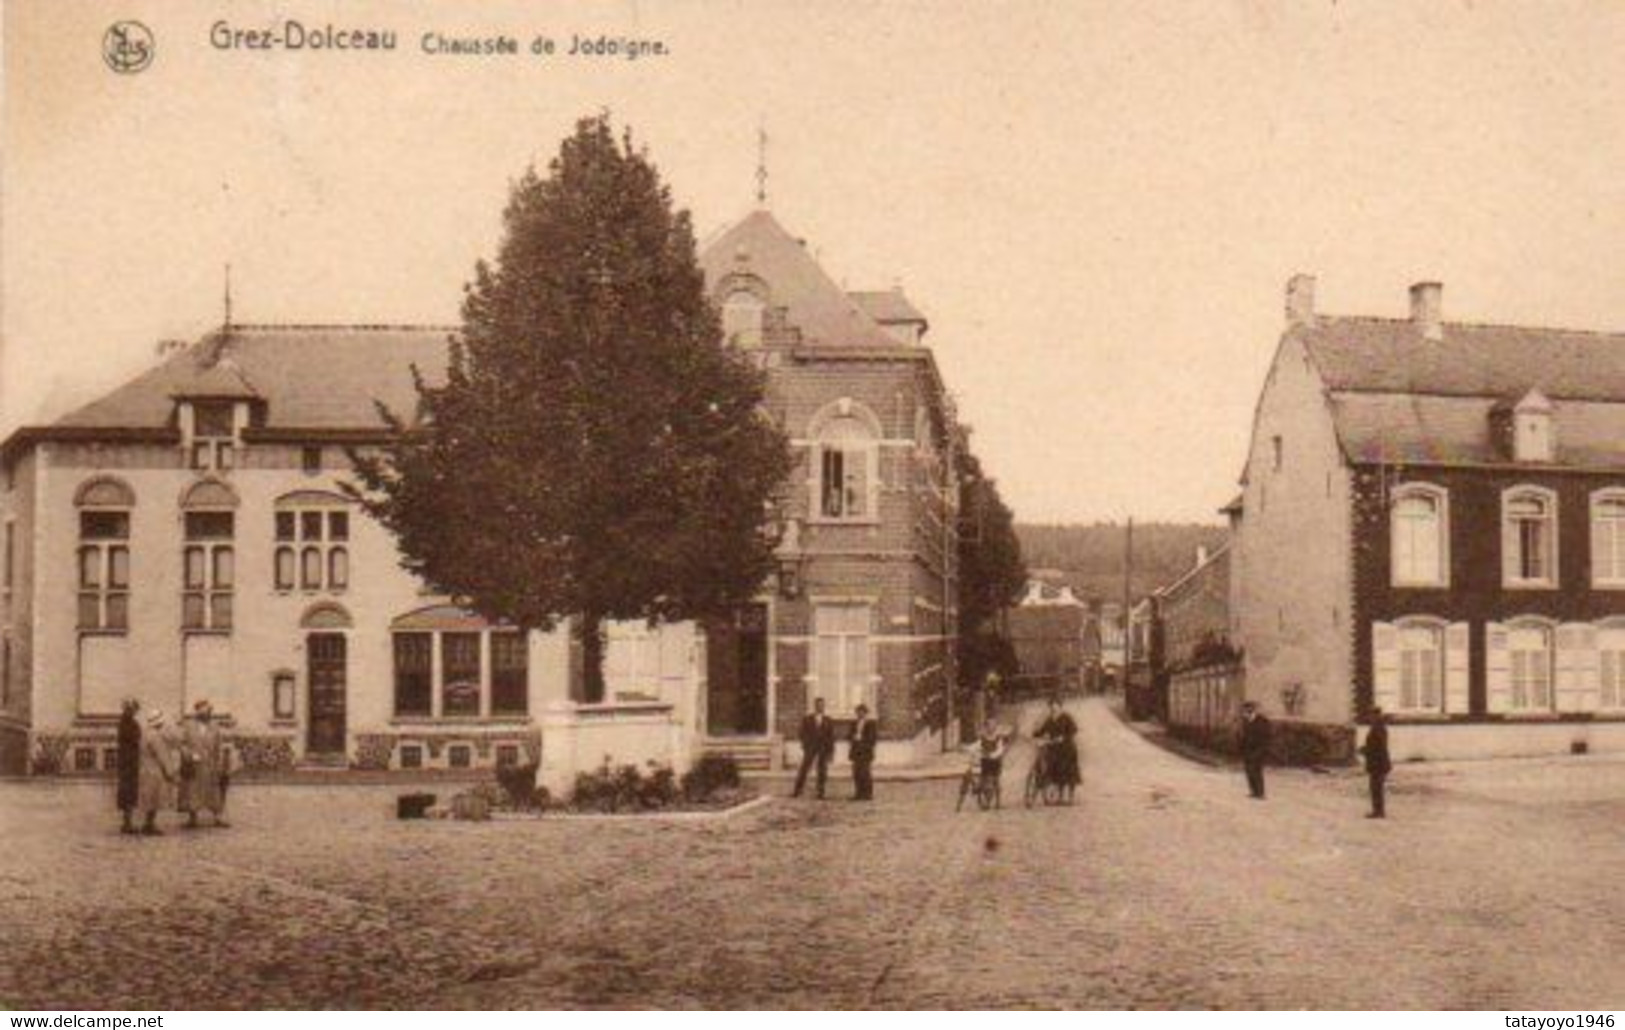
(778, 505)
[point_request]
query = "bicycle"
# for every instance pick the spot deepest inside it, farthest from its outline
(1042, 781)
(985, 789)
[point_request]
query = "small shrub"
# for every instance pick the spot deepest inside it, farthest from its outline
(711, 774)
(626, 788)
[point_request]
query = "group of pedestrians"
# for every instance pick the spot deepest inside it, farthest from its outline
(1255, 749)
(818, 749)
(162, 766)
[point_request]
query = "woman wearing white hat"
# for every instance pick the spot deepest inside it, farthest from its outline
(157, 772)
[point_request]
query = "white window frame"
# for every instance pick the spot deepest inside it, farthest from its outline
(208, 588)
(842, 693)
(1527, 707)
(744, 316)
(1440, 498)
(103, 554)
(1602, 576)
(1512, 545)
(1405, 629)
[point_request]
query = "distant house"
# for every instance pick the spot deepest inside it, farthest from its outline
(1195, 665)
(1046, 629)
(1433, 520)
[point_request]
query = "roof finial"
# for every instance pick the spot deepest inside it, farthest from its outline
(227, 323)
(761, 165)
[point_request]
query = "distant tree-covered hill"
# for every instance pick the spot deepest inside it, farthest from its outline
(1090, 557)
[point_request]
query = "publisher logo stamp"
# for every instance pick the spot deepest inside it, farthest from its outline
(128, 47)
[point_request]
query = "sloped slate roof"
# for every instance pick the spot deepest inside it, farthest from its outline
(1397, 397)
(1505, 362)
(311, 377)
(1433, 430)
(826, 316)
(887, 306)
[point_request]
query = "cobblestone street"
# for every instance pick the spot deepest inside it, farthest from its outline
(1492, 886)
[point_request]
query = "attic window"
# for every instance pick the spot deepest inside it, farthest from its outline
(1533, 436)
(742, 317)
(213, 434)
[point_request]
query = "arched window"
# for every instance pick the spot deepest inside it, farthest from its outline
(104, 555)
(209, 559)
(312, 541)
(1529, 645)
(1529, 537)
(1420, 537)
(846, 459)
(1608, 538)
(742, 315)
(1421, 666)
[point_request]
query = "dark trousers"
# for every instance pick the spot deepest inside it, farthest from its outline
(1379, 797)
(810, 759)
(1255, 774)
(863, 780)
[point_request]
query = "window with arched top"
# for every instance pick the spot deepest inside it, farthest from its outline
(1421, 665)
(312, 552)
(1611, 665)
(104, 555)
(1529, 537)
(1529, 647)
(847, 454)
(1420, 536)
(1608, 538)
(208, 557)
(743, 315)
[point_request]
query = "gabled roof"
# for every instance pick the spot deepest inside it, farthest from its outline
(1387, 355)
(825, 314)
(310, 377)
(888, 307)
(1399, 398)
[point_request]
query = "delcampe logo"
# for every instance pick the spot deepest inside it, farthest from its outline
(128, 47)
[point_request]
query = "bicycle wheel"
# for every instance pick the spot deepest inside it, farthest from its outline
(986, 793)
(1052, 793)
(1030, 795)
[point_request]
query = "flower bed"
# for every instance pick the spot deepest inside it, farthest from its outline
(713, 785)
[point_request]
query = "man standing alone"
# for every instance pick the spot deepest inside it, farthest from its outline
(817, 748)
(1255, 747)
(1378, 763)
(864, 736)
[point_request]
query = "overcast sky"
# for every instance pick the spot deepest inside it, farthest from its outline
(1097, 205)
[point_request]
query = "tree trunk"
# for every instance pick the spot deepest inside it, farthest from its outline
(591, 628)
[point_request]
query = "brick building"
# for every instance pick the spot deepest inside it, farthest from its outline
(1046, 630)
(1433, 520)
(186, 537)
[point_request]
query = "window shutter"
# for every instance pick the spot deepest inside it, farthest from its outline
(674, 659)
(1385, 665)
(1497, 667)
(1576, 668)
(1457, 665)
(1509, 548)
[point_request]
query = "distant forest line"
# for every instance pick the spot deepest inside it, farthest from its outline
(1091, 558)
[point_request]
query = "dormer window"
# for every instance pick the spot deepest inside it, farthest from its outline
(1533, 434)
(214, 433)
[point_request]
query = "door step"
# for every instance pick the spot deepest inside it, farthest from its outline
(324, 763)
(751, 755)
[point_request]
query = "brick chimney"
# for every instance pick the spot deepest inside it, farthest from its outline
(1427, 300)
(1300, 300)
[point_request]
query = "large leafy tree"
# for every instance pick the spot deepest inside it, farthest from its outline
(594, 449)
(992, 575)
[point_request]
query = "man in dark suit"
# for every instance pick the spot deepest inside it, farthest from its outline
(1378, 763)
(817, 748)
(865, 734)
(1255, 747)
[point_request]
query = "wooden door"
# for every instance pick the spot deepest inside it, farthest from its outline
(326, 674)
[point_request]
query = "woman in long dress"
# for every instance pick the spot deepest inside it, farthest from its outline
(129, 763)
(1059, 732)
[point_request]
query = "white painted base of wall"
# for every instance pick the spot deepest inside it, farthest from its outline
(1449, 741)
(577, 738)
